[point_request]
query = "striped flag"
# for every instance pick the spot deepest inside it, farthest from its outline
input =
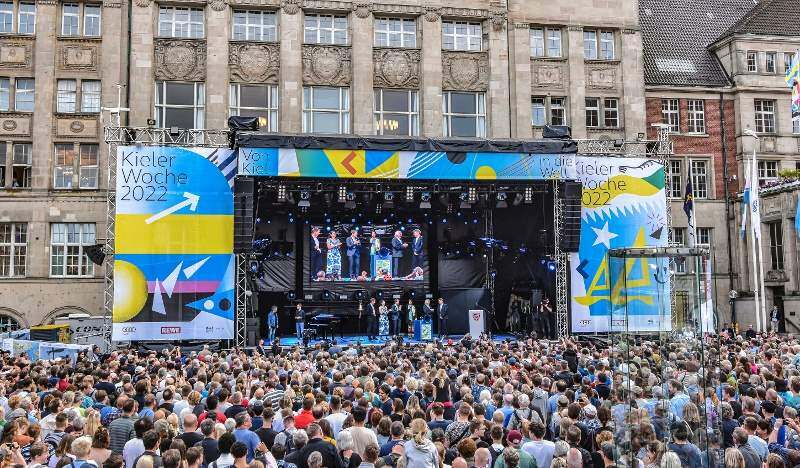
(793, 73)
(688, 208)
(745, 203)
(755, 203)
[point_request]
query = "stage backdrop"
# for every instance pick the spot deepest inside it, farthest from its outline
(174, 265)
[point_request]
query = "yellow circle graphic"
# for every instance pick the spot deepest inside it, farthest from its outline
(130, 291)
(485, 173)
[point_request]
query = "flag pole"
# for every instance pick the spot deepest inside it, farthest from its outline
(755, 263)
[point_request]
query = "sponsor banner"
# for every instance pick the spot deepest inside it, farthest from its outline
(174, 265)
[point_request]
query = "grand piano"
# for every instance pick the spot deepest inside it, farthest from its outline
(326, 325)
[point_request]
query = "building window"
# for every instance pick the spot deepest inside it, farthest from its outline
(703, 240)
(326, 110)
(461, 35)
(677, 237)
(27, 18)
(70, 19)
(609, 112)
(87, 171)
(325, 29)
(67, 96)
(5, 94)
(771, 62)
(22, 160)
(256, 101)
(675, 178)
(6, 17)
(545, 42)
(767, 171)
(598, 45)
(180, 104)
(592, 112)
(696, 116)
(670, 114)
(255, 26)
(90, 96)
(776, 244)
(396, 112)
(64, 165)
(788, 60)
(548, 110)
(67, 243)
(765, 115)
(180, 22)
(395, 32)
(796, 125)
(464, 114)
(13, 249)
(699, 174)
(8, 323)
(752, 61)
(23, 94)
(3, 158)
(91, 20)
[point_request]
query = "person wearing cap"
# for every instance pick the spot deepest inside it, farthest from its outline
(514, 440)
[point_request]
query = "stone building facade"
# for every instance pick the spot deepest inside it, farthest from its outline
(499, 69)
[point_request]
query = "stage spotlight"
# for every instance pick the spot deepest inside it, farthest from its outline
(281, 193)
(493, 274)
(528, 194)
(360, 295)
(411, 294)
(327, 295)
(379, 295)
(501, 200)
(291, 295)
(551, 265)
(388, 199)
(351, 200)
(473, 194)
(342, 194)
(254, 266)
(517, 199)
(409, 193)
(425, 200)
(305, 197)
(464, 205)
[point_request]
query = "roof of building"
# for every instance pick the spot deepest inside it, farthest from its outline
(676, 33)
(770, 18)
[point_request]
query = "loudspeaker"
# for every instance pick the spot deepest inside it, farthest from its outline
(243, 193)
(571, 203)
(536, 297)
(252, 332)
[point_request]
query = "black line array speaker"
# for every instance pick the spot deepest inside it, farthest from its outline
(571, 202)
(252, 332)
(243, 193)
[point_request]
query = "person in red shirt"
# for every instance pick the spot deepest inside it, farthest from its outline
(305, 416)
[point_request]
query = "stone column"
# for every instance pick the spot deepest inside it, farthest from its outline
(632, 83)
(431, 73)
(577, 82)
(47, 19)
(499, 93)
(363, 76)
(143, 18)
(291, 73)
(218, 31)
(520, 81)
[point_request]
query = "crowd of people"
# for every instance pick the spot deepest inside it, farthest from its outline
(675, 401)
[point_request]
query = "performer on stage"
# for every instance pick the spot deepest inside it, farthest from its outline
(427, 310)
(315, 258)
(383, 319)
(299, 321)
(334, 266)
(417, 251)
(374, 247)
(353, 254)
(411, 310)
(398, 246)
(272, 323)
(547, 317)
(442, 314)
(395, 318)
(372, 319)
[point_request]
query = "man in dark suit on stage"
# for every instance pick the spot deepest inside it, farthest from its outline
(372, 319)
(394, 318)
(315, 257)
(441, 312)
(353, 254)
(417, 250)
(398, 246)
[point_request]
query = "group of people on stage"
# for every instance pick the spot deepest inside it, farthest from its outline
(538, 318)
(327, 265)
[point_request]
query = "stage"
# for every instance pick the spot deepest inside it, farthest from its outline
(353, 340)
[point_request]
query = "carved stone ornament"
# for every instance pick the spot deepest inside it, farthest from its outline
(547, 76)
(498, 19)
(76, 126)
(362, 9)
(180, 59)
(432, 14)
(396, 68)
(9, 125)
(254, 63)
(326, 65)
(77, 56)
(601, 77)
(291, 7)
(15, 54)
(217, 5)
(142, 3)
(465, 71)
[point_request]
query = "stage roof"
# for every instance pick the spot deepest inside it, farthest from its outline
(393, 143)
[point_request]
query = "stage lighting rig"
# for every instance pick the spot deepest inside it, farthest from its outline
(291, 295)
(281, 193)
(327, 295)
(501, 199)
(342, 194)
(388, 199)
(472, 193)
(409, 193)
(305, 199)
(517, 199)
(425, 200)
(351, 200)
(464, 205)
(528, 194)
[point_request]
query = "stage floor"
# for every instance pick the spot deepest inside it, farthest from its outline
(352, 340)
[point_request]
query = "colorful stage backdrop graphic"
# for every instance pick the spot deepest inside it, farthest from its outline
(624, 205)
(174, 265)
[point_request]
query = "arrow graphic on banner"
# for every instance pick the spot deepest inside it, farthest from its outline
(191, 201)
(346, 163)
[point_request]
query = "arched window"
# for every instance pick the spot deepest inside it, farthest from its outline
(8, 323)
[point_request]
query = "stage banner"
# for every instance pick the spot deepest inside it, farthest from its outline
(174, 267)
(623, 205)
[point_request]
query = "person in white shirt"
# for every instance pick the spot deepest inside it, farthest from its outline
(337, 416)
(134, 448)
(541, 450)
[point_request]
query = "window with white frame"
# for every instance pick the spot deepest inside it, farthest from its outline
(607, 45)
(696, 116)
(767, 171)
(5, 94)
(23, 94)
(64, 165)
(548, 110)
(22, 161)
(8, 323)
(71, 15)
(670, 114)
(704, 238)
(776, 244)
(90, 96)
(67, 96)
(254, 25)
(752, 61)
(592, 112)
(256, 100)
(67, 244)
(765, 115)
(464, 114)
(395, 32)
(461, 35)
(699, 174)
(325, 29)
(796, 125)
(180, 22)
(87, 166)
(180, 104)
(326, 109)
(6, 17)
(545, 42)
(611, 112)
(788, 60)
(675, 178)
(598, 44)
(771, 63)
(13, 249)
(677, 237)
(70, 19)
(396, 112)
(26, 18)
